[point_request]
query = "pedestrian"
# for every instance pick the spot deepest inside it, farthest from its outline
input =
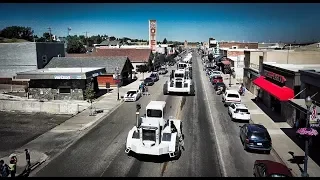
(146, 89)
(12, 167)
(28, 158)
(4, 169)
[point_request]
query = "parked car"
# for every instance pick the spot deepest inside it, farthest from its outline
(239, 112)
(154, 76)
(231, 96)
(255, 137)
(214, 72)
(148, 81)
(132, 95)
(267, 168)
(216, 78)
(163, 70)
(219, 84)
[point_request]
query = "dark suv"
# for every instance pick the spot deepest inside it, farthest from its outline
(255, 137)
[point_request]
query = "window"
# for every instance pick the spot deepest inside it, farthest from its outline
(259, 135)
(64, 90)
(154, 113)
(233, 96)
(166, 137)
(242, 110)
(148, 135)
(179, 75)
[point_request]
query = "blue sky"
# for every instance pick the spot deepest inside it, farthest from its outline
(192, 22)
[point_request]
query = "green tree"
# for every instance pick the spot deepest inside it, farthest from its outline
(47, 36)
(17, 32)
(75, 45)
(164, 41)
(89, 95)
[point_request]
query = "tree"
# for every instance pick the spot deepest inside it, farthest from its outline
(164, 41)
(47, 36)
(150, 64)
(17, 32)
(112, 38)
(75, 45)
(89, 95)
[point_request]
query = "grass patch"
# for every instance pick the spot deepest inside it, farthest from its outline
(13, 40)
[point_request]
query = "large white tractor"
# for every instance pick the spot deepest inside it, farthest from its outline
(155, 135)
(180, 82)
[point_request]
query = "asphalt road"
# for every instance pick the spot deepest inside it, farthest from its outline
(101, 151)
(212, 144)
(234, 160)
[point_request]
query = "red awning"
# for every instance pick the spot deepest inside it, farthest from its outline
(225, 62)
(282, 93)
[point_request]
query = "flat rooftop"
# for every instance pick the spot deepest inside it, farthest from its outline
(295, 67)
(62, 70)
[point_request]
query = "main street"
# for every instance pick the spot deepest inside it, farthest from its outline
(212, 144)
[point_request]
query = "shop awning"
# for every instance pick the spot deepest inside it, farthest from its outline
(226, 62)
(281, 93)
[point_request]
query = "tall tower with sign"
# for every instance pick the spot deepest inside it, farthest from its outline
(152, 34)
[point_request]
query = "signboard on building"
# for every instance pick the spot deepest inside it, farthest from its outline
(152, 34)
(62, 77)
(275, 76)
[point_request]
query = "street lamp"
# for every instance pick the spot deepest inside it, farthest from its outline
(308, 102)
(117, 71)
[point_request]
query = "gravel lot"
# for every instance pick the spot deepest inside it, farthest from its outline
(17, 128)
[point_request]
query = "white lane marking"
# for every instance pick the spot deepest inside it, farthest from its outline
(222, 164)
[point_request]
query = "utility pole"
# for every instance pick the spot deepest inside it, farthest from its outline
(117, 71)
(49, 28)
(86, 37)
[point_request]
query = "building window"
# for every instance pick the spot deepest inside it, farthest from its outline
(64, 90)
(44, 58)
(318, 45)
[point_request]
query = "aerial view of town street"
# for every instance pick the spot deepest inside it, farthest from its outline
(159, 90)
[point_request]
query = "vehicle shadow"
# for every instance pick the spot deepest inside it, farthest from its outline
(296, 160)
(152, 158)
(180, 94)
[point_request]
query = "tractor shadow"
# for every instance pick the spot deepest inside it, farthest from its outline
(152, 158)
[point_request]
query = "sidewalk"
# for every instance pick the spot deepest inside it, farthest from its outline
(52, 143)
(281, 143)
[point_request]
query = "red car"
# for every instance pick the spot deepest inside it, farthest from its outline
(216, 79)
(267, 168)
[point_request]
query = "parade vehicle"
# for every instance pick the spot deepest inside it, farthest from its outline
(180, 82)
(155, 135)
(132, 95)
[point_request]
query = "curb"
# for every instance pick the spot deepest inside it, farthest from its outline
(33, 167)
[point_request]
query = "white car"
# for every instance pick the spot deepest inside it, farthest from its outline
(132, 95)
(216, 73)
(231, 96)
(239, 111)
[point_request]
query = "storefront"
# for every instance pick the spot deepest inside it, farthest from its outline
(61, 83)
(277, 85)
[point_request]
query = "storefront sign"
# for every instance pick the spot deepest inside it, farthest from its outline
(62, 77)
(275, 76)
(152, 34)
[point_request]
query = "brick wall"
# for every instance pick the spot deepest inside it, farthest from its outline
(240, 45)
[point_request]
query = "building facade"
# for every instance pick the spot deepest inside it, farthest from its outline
(61, 83)
(19, 57)
(109, 63)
